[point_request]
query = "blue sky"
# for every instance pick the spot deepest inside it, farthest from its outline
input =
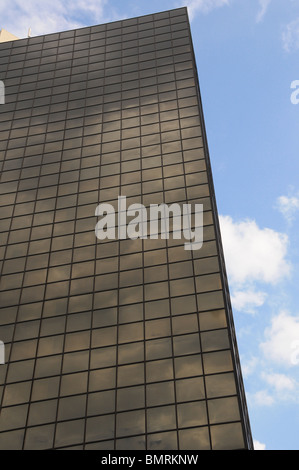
(247, 55)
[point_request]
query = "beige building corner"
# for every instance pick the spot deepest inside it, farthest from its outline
(5, 36)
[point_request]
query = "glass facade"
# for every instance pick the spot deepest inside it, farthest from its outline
(114, 344)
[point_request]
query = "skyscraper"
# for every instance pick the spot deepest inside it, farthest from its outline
(111, 344)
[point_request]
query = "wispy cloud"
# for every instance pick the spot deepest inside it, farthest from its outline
(258, 445)
(276, 388)
(248, 300)
(262, 398)
(51, 16)
(264, 5)
(290, 36)
(203, 6)
(249, 366)
(279, 382)
(288, 206)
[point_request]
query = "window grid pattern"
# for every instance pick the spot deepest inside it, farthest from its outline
(119, 344)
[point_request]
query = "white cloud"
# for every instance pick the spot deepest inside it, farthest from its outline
(264, 4)
(288, 206)
(249, 366)
(277, 388)
(280, 382)
(253, 254)
(262, 398)
(258, 445)
(248, 300)
(282, 340)
(51, 16)
(280, 388)
(203, 6)
(290, 36)
(254, 258)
